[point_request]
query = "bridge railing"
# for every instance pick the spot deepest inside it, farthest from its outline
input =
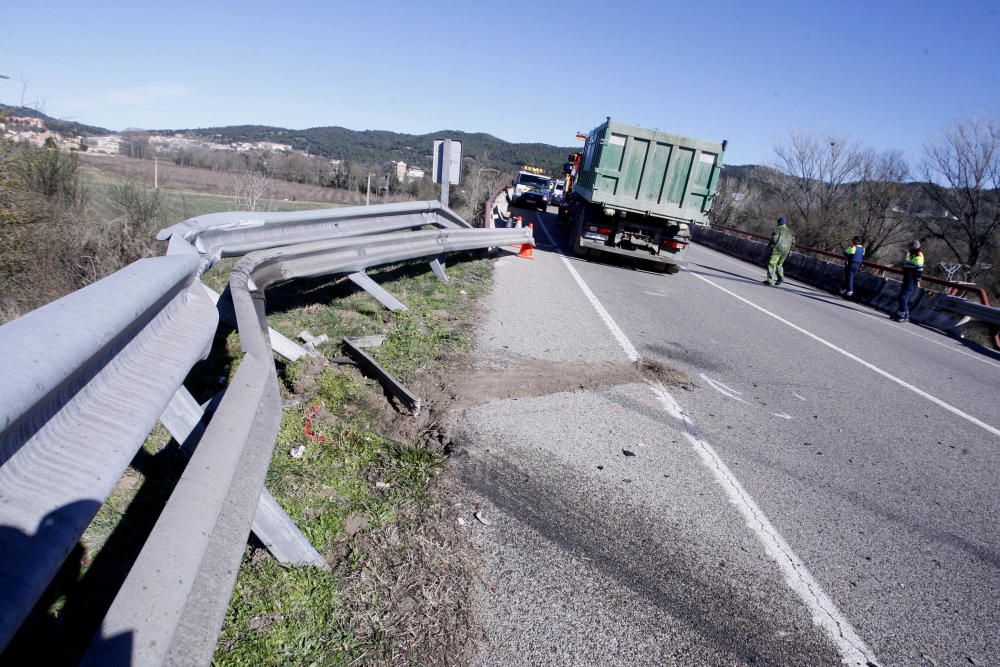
(951, 287)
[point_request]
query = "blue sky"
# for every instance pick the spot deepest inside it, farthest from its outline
(890, 74)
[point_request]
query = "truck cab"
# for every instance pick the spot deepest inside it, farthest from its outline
(531, 187)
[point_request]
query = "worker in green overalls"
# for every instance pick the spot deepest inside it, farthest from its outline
(782, 241)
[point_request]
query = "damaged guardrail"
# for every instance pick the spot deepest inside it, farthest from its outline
(84, 380)
(201, 532)
(93, 372)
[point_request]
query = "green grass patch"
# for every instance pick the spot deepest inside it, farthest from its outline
(351, 484)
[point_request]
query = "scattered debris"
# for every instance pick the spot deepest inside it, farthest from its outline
(628, 452)
(481, 519)
(462, 291)
(461, 521)
(312, 342)
(307, 425)
(298, 452)
(382, 485)
(600, 467)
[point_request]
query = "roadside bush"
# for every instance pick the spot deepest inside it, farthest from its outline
(42, 204)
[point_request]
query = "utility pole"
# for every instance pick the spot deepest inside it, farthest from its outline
(368, 191)
(156, 172)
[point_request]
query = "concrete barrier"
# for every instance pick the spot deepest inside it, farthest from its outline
(875, 291)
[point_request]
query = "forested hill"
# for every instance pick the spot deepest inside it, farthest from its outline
(66, 127)
(376, 146)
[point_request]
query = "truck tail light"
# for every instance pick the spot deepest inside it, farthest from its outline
(676, 245)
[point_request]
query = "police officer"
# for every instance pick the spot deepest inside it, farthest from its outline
(854, 256)
(782, 241)
(913, 268)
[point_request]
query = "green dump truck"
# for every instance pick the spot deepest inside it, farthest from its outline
(637, 192)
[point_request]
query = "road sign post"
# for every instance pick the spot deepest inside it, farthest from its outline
(447, 167)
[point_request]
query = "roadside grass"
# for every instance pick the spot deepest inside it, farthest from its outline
(358, 496)
(366, 501)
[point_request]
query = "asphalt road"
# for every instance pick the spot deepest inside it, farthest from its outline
(824, 490)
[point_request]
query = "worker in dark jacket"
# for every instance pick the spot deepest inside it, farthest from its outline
(782, 241)
(913, 268)
(854, 256)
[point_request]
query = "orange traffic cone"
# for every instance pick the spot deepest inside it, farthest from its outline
(527, 249)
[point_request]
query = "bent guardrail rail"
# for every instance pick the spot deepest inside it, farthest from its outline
(90, 377)
(217, 235)
(200, 535)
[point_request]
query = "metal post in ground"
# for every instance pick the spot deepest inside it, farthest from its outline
(445, 171)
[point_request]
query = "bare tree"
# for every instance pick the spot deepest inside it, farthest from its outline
(482, 181)
(962, 173)
(820, 171)
(875, 201)
(251, 191)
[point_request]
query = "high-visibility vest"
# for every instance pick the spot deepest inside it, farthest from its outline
(914, 261)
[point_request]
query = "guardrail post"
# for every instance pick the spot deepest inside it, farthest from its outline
(437, 266)
(362, 280)
(185, 420)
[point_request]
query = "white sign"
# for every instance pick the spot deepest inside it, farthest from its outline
(454, 164)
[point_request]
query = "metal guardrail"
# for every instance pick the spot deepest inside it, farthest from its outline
(84, 380)
(201, 533)
(954, 287)
(972, 310)
(95, 370)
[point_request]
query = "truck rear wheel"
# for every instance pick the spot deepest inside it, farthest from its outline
(673, 268)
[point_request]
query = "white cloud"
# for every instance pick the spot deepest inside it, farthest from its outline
(144, 95)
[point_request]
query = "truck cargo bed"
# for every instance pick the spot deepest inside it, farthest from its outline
(649, 172)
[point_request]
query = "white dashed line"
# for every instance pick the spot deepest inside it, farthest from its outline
(824, 612)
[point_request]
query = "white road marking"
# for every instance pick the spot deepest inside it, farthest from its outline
(728, 392)
(875, 316)
(623, 341)
(655, 293)
(824, 612)
(902, 383)
(783, 415)
(801, 398)
(853, 650)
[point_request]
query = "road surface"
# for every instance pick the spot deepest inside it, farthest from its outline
(812, 483)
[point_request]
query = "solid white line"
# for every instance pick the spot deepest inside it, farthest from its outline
(902, 383)
(824, 612)
(853, 650)
(616, 331)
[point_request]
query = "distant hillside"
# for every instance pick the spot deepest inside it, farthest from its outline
(66, 127)
(377, 146)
